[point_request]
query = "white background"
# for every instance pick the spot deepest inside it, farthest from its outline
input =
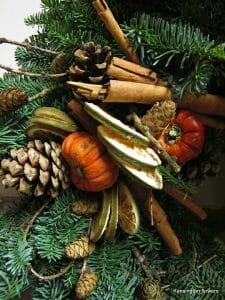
(12, 14)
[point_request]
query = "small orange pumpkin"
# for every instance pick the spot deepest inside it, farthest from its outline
(91, 167)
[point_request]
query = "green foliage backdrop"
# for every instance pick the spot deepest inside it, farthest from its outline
(182, 40)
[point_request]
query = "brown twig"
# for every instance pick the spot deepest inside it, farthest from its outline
(4, 40)
(141, 261)
(29, 226)
(33, 75)
(153, 141)
(43, 93)
(54, 276)
(34, 217)
(190, 273)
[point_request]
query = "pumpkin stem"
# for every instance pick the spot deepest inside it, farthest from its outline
(173, 134)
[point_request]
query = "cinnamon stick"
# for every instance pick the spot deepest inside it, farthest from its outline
(185, 200)
(210, 121)
(117, 91)
(128, 71)
(113, 27)
(205, 104)
(135, 92)
(163, 227)
(150, 206)
(87, 122)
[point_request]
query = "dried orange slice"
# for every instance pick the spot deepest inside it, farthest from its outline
(129, 216)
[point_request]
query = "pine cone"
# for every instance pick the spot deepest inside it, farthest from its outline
(59, 63)
(91, 62)
(36, 169)
(85, 206)
(208, 163)
(86, 284)
(151, 290)
(12, 99)
(159, 116)
(80, 248)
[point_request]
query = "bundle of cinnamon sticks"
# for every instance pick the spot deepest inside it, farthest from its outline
(132, 83)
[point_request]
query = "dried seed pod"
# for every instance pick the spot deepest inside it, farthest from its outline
(85, 206)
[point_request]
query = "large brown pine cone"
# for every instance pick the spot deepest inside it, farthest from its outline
(36, 169)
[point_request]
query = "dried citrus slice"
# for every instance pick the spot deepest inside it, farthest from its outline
(43, 131)
(108, 120)
(129, 216)
(126, 149)
(110, 231)
(59, 124)
(99, 222)
(52, 113)
(150, 176)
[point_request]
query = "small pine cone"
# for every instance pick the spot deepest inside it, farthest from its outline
(59, 63)
(86, 284)
(12, 99)
(91, 63)
(85, 206)
(159, 116)
(36, 169)
(151, 290)
(80, 248)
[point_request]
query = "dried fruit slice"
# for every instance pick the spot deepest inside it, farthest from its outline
(53, 113)
(126, 149)
(43, 131)
(99, 222)
(109, 121)
(129, 216)
(55, 123)
(110, 231)
(150, 176)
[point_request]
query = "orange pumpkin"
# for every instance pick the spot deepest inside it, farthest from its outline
(91, 167)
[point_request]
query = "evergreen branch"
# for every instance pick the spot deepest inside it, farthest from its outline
(33, 75)
(18, 256)
(51, 290)
(4, 40)
(193, 271)
(153, 141)
(29, 60)
(180, 53)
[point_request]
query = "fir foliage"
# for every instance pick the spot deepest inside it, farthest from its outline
(180, 52)
(169, 46)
